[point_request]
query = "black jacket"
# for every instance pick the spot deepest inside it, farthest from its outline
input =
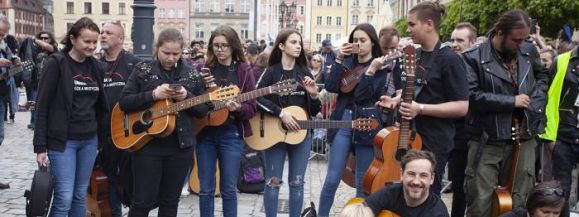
(492, 95)
(54, 103)
(137, 95)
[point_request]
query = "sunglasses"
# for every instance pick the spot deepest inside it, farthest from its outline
(551, 191)
(44, 38)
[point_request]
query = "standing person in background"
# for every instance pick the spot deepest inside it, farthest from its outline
(328, 54)
(389, 39)
(317, 64)
(225, 143)
(507, 84)
(160, 166)
(11, 102)
(70, 105)
(462, 38)
(287, 61)
(119, 65)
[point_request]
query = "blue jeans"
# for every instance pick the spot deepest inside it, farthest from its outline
(71, 172)
(339, 151)
(31, 96)
(274, 158)
(221, 144)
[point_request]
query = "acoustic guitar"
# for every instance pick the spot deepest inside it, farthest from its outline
(98, 196)
(221, 113)
(383, 213)
(131, 131)
(194, 183)
(15, 69)
(268, 130)
(391, 143)
(351, 78)
(502, 200)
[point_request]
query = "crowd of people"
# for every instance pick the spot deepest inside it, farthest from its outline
(472, 95)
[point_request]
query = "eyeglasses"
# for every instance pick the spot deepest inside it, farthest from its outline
(44, 38)
(550, 191)
(220, 46)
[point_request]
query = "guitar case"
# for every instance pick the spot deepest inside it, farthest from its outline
(251, 177)
(40, 194)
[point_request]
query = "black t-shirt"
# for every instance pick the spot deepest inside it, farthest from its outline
(444, 81)
(116, 74)
(225, 75)
(83, 124)
(392, 198)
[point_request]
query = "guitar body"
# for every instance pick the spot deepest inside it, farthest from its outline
(349, 172)
(130, 133)
(502, 201)
(385, 167)
(194, 183)
(214, 118)
(268, 130)
(98, 196)
(383, 213)
(348, 81)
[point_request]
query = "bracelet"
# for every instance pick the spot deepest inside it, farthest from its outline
(421, 106)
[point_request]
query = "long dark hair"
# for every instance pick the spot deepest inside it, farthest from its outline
(74, 31)
(510, 20)
(545, 194)
(371, 32)
(234, 44)
(276, 53)
(52, 41)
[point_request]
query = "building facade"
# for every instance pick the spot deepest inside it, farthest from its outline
(329, 20)
(66, 12)
(207, 15)
(26, 17)
(172, 14)
(48, 18)
(274, 15)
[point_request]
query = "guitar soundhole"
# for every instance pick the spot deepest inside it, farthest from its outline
(400, 153)
(144, 124)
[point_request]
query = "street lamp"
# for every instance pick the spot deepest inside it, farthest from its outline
(287, 13)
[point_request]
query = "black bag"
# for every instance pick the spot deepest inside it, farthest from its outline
(40, 194)
(310, 211)
(366, 137)
(251, 177)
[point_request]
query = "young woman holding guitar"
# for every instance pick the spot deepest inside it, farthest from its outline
(363, 58)
(160, 166)
(287, 61)
(227, 66)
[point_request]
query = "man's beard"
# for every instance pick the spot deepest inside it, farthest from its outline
(105, 46)
(506, 54)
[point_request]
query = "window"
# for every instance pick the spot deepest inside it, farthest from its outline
(171, 13)
(180, 13)
(329, 36)
(87, 8)
(199, 31)
(329, 3)
(302, 10)
(319, 20)
(229, 6)
(339, 3)
(69, 7)
(320, 2)
(301, 29)
(328, 21)
(199, 5)
(162, 13)
(318, 38)
(122, 8)
(338, 21)
(369, 18)
(354, 19)
(371, 3)
(214, 6)
(105, 8)
(244, 6)
(356, 2)
(244, 32)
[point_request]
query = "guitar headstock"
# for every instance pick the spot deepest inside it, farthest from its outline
(515, 130)
(409, 59)
(224, 93)
(284, 87)
(364, 124)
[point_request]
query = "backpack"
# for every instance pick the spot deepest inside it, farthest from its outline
(40, 194)
(251, 177)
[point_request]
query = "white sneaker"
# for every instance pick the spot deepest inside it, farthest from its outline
(185, 191)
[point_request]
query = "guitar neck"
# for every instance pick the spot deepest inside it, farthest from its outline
(514, 164)
(246, 96)
(405, 124)
(324, 124)
(11, 72)
(179, 106)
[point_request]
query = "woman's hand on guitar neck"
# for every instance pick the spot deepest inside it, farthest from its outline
(289, 122)
(233, 106)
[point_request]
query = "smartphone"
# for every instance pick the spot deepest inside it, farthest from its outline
(533, 26)
(205, 70)
(355, 48)
(175, 86)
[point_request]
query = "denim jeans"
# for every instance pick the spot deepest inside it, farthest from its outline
(31, 96)
(221, 144)
(1, 120)
(339, 151)
(274, 159)
(71, 171)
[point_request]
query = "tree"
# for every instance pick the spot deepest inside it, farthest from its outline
(401, 27)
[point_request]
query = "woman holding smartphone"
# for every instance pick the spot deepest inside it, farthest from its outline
(224, 143)
(362, 54)
(287, 61)
(160, 167)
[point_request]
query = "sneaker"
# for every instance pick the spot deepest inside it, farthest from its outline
(4, 186)
(185, 191)
(31, 126)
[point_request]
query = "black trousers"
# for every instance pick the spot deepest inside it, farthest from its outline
(159, 170)
(565, 157)
(456, 167)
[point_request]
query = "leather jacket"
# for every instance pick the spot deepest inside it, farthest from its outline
(492, 94)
